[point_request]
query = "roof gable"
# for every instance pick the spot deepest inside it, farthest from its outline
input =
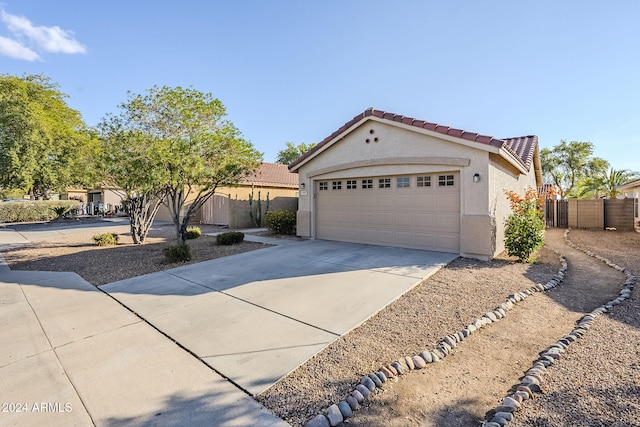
(521, 149)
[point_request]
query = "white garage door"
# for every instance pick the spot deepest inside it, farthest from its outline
(410, 211)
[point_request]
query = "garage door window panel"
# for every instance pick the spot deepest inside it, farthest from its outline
(336, 185)
(423, 181)
(446, 181)
(403, 182)
(367, 183)
(384, 183)
(352, 184)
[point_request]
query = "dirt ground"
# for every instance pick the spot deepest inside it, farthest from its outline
(462, 389)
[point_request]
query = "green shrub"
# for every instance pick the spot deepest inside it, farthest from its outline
(61, 211)
(106, 239)
(177, 253)
(33, 210)
(524, 228)
(193, 233)
(230, 238)
(281, 222)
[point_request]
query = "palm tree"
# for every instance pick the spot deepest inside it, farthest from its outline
(606, 184)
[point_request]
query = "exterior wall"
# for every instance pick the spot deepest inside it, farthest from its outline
(586, 214)
(239, 216)
(503, 177)
(618, 214)
(242, 192)
(164, 214)
(74, 195)
(400, 151)
(111, 197)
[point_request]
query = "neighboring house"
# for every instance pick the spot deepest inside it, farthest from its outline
(99, 200)
(387, 179)
(229, 206)
(631, 190)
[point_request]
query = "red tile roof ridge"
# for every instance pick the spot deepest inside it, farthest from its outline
(525, 155)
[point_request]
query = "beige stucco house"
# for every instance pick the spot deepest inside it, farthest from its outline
(99, 200)
(387, 179)
(631, 190)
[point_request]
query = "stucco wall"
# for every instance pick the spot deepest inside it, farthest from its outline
(239, 216)
(397, 151)
(377, 148)
(240, 194)
(503, 177)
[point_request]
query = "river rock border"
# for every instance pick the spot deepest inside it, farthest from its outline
(338, 412)
(530, 384)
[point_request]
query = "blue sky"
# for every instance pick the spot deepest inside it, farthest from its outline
(297, 70)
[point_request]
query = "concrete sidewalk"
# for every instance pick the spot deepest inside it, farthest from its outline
(73, 356)
(258, 315)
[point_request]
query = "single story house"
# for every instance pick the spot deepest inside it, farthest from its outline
(387, 179)
(103, 199)
(631, 190)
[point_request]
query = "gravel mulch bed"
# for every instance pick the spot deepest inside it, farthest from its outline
(102, 265)
(597, 382)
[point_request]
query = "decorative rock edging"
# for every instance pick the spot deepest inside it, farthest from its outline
(531, 382)
(337, 413)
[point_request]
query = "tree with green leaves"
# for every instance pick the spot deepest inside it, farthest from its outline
(606, 183)
(292, 152)
(194, 149)
(45, 145)
(131, 162)
(568, 163)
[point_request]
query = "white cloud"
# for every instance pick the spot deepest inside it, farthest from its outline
(49, 39)
(13, 49)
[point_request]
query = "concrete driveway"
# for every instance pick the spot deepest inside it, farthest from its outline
(256, 316)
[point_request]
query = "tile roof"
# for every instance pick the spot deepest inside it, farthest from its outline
(523, 148)
(274, 174)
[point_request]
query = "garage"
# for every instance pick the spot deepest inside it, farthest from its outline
(392, 180)
(420, 211)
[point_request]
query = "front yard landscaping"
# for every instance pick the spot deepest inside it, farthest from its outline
(597, 381)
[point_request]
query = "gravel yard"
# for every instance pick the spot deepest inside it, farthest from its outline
(596, 383)
(101, 265)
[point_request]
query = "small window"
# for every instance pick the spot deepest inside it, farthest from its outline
(352, 184)
(324, 185)
(423, 181)
(384, 183)
(367, 183)
(445, 181)
(402, 182)
(336, 185)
